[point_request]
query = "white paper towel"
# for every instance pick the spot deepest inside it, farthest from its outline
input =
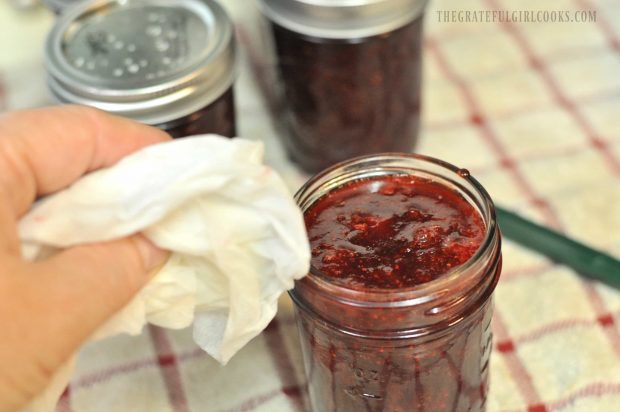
(238, 239)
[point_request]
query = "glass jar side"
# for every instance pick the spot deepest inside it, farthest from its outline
(349, 97)
(217, 117)
(352, 373)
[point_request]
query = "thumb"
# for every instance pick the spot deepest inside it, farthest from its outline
(77, 290)
(49, 308)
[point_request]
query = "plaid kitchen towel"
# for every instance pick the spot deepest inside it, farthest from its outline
(531, 108)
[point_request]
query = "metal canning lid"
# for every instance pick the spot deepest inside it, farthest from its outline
(153, 61)
(342, 19)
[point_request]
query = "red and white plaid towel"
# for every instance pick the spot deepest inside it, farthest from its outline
(532, 109)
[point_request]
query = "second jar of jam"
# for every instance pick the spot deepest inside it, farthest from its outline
(350, 75)
(395, 313)
(166, 63)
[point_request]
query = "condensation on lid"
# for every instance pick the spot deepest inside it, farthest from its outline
(152, 60)
(342, 19)
(136, 44)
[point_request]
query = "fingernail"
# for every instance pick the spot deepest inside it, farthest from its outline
(152, 256)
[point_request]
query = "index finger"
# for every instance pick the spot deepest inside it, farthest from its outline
(45, 150)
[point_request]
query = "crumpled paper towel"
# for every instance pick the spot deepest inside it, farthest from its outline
(238, 239)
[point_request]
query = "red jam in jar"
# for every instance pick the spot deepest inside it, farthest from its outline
(395, 314)
(393, 231)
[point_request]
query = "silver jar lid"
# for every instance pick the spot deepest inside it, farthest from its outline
(342, 19)
(150, 60)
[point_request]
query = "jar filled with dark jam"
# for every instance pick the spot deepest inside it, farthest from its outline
(166, 63)
(395, 313)
(350, 76)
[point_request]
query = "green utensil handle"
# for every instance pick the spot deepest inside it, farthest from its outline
(584, 259)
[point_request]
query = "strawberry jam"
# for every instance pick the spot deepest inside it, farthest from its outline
(395, 313)
(391, 232)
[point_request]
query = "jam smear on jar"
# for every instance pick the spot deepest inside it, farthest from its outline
(391, 232)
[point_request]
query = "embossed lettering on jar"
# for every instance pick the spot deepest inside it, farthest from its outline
(170, 64)
(350, 74)
(395, 313)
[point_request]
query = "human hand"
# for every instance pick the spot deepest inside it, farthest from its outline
(43, 151)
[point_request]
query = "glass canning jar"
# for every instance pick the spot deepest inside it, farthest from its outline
(166, 63)
(421, 348)
(349, 73)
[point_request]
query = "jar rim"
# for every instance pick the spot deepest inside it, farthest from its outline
(344, 19)
(424, 292)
